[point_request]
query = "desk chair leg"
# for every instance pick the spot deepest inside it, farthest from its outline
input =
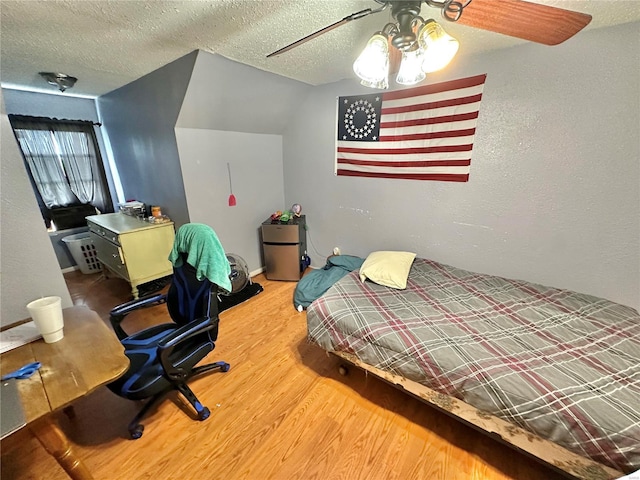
(56, 443)
(222, 366)
(135, 427)
(202, 411)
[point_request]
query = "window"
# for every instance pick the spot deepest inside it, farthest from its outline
(64, 165)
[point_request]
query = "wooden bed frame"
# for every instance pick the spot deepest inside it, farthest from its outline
(560, 459)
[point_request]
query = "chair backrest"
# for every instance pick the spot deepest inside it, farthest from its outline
(189, 298)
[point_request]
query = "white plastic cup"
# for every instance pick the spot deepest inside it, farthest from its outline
(47, 315)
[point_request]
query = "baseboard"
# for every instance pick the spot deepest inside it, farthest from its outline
(256, 272)
(251, 274)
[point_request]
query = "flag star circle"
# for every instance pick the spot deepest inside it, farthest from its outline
(360, 119)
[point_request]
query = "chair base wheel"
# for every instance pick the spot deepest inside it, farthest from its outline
(203, 414)
(225, 367)
(136, 432)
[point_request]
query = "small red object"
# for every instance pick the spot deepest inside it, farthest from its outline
(232, 197)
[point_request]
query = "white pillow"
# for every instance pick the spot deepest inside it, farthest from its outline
(388, 268)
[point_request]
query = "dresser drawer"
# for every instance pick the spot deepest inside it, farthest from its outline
(102, 232)
(110, 255)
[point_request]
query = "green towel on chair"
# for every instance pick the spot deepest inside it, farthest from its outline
(204, 253)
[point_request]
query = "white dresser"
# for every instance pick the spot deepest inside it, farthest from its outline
(133, 249)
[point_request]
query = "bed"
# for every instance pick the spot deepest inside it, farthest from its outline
(551, 372)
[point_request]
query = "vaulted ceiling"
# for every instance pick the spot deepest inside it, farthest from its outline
(109, 43)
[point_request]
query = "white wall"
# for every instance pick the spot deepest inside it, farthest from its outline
(28, 265)
(236, 114)
(54, 105)
(257, 178)
(554, 190)
(229, 96)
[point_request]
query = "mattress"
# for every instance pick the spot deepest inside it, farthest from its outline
(562, 365)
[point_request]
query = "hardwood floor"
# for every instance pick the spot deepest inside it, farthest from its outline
(282, 412)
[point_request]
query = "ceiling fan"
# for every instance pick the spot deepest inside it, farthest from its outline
(422, 46)
(517, 18)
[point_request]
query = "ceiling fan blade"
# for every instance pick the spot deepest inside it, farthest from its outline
(348, 18)
(529, 21)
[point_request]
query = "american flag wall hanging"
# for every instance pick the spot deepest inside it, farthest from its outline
(422, 133)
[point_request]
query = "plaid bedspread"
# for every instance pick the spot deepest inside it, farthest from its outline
(563, 365)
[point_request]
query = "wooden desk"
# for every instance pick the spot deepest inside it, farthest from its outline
(89, 356)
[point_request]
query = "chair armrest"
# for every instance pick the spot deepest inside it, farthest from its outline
(118, 313)
(167, 345)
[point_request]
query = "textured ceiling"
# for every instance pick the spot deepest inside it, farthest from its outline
(109, 43)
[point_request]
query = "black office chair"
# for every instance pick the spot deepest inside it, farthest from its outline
(164, 357)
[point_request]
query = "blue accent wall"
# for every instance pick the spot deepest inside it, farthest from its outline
(139, 119)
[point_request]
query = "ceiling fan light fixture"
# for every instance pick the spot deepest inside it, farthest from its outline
(61, 80)
(439, 47)
(381, 85)
(431, 50)
(411, 71)
(522, 19)
(372, 65)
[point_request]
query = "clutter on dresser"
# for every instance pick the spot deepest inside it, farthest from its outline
(157, 216)
(133, 208)
(158, 219)
(139, 210)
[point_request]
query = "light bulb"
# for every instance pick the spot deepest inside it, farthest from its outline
(411, 67)
(439, 47)
(372, 66)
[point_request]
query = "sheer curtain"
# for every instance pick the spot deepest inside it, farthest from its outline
(40, 154)
(81, 165)
(63, 162)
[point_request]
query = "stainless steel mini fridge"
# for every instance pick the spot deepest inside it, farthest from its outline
(284, 246)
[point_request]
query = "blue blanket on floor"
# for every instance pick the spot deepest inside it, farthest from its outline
(318, 281)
